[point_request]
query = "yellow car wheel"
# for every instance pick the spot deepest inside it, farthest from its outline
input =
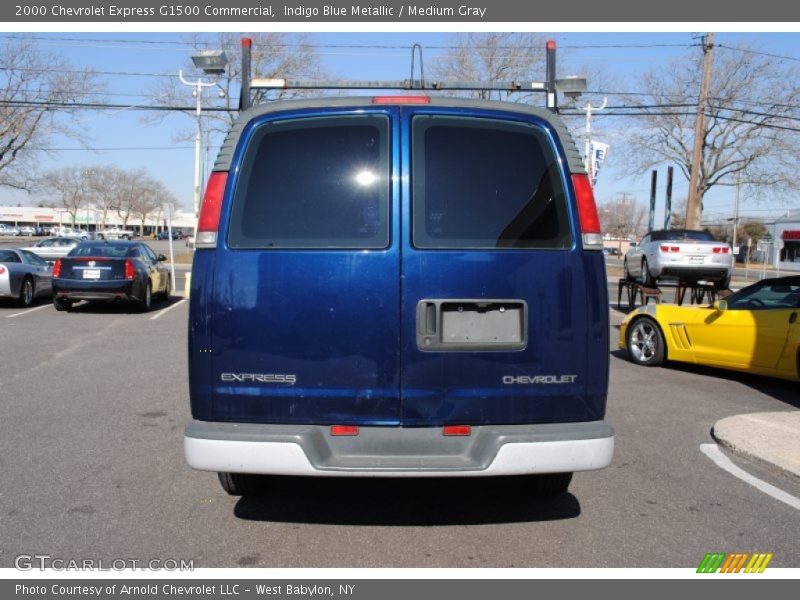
(646, 342)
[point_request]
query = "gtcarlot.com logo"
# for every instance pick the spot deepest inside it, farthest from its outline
(738, 562)
(42, 562)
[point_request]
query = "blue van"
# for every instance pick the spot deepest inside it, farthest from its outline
(398, 286)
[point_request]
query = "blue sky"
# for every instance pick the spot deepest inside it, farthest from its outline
(173, 160)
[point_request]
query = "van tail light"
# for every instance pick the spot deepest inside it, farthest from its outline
(210, 210)
(57, 268)
(587, 213)
(130, 271)
(401, 100)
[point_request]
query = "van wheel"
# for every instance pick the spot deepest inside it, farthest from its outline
(242, 484)
(646, 343)
(549, 484)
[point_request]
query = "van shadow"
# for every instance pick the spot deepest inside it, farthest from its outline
(403, 502)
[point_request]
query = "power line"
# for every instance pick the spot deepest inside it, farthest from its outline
(758, 52)
(99, 106)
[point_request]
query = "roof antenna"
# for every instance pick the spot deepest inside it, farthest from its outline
(414, 48)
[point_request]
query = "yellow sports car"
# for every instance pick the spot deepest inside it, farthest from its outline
(755, 330)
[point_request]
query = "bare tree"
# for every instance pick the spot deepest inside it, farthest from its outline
(103, 187)
(132, 186)
(68, 188)
(753, 99)
(152, 200)
(273, 55)
(622, 217)
(493, 58)
(37, 91)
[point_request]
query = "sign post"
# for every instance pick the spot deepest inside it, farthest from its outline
(168, 214)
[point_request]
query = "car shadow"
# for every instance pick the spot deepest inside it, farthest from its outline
(403, 502)
(121, 307)
(11, 303)
(783, 390)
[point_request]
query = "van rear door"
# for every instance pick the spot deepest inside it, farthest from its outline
(501, 306)
(306, 280)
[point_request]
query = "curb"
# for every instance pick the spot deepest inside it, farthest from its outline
(742, 448)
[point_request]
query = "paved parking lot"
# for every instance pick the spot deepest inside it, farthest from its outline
(94, 403)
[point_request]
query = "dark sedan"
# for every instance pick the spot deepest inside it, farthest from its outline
(164, 235)
(111, 271)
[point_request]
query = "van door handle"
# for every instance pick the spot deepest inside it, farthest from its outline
(426, 318)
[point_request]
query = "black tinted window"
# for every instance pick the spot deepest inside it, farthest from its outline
(100, 249)
(481, 183)
(681, 234)
(6, 256)
(314, 183)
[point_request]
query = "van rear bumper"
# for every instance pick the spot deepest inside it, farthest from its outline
(398, 452)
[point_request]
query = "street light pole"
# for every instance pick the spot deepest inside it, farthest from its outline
(588, 142)
(197, 93)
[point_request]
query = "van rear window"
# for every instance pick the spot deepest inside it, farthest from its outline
(486, 183)
(314, 183)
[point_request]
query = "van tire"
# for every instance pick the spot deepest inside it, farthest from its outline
(549, 484)
(242, 484)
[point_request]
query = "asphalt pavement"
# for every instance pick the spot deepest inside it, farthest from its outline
(94, 404)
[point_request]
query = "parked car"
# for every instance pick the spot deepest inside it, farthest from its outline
(116, 233)
(25, 230)
(754, 330)
(52, 248)
(111, 271)
(368, 318)
(679, 254)
(23, 276)
(164, 235)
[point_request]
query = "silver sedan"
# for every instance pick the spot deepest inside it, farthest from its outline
(24, 276)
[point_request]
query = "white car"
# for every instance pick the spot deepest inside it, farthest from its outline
(680, 254)
(115, 233)
(53, 248)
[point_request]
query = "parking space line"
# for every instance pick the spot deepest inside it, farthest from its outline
(713, 452)
(169, 308)
(27, 312)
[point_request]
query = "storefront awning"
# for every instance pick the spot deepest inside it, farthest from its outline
(791, 235)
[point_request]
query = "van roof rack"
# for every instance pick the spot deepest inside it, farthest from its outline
(571, 86)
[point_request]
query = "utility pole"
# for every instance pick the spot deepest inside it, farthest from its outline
(736, 211)
(694, 208)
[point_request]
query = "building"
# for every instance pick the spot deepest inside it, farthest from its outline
(786, 242)
(89, 218)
